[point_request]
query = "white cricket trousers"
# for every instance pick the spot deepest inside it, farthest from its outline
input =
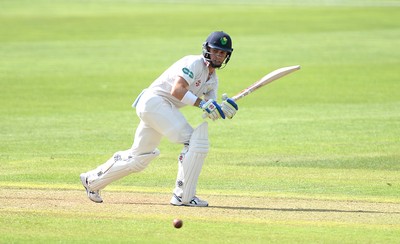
(158, 118)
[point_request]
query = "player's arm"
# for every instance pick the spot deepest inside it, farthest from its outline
(180, 90)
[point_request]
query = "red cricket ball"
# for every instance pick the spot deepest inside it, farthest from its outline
(177, 223)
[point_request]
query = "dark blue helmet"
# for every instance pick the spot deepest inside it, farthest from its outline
(218, 40)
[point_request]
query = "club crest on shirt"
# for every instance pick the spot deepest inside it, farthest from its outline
(198, 83)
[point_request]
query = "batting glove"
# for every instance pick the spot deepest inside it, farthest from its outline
(212, 109)
(229, 107)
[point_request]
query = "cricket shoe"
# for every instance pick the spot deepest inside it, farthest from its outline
(195, 202)
(92, 195)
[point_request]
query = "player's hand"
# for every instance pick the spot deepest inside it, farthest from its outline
(212, 109)
(229, 107)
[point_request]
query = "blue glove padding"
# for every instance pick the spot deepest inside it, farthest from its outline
(212, 109)
(229, 106)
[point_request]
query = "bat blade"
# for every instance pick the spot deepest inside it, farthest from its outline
(274, 75)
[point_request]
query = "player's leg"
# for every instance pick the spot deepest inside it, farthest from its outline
(170, 122)
(166, 119)
(190, 163)
(123, 163)
(129, 161)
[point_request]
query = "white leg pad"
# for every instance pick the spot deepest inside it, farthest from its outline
(191, 164)
(120, 165)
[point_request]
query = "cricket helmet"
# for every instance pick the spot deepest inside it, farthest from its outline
(218, 40)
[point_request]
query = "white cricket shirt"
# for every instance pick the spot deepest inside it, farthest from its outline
(195, 71)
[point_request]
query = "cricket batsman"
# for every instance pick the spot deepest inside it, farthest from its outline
(192, 81)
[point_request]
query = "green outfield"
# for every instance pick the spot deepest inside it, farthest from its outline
(311, 158)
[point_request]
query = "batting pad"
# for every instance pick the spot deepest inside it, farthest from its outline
(193, 161)
(120, 165)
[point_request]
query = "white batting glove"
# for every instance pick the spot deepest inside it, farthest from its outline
(229, 107)
(212, 109)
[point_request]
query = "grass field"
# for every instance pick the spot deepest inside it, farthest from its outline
(311, 158)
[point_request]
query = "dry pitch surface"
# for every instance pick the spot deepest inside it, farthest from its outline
(222, 208)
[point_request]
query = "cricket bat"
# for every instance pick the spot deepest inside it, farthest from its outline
(270, 77)
(274, 75)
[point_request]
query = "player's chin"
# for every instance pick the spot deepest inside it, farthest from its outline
(216, 64)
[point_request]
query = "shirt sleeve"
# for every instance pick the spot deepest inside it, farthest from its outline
(190, 70)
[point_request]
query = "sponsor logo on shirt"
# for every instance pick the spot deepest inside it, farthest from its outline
(186, 71)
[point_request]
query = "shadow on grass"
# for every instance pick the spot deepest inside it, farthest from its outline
(268, 209)
(303, 210)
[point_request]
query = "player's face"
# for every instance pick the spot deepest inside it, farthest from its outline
(218, 56)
